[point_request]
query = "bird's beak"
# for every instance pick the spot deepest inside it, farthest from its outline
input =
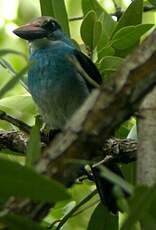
(30, 32)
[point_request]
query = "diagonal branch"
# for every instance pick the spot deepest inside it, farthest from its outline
(105, 109)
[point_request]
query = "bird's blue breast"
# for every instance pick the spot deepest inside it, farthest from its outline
(55, 84)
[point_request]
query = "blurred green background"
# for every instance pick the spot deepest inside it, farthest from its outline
(18, 102)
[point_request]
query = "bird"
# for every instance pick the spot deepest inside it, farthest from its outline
(54, 82)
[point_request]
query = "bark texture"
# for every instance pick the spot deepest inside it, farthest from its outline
(146, 170)
(105, 109)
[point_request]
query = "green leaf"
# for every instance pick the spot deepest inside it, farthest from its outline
(26, 107)
(4, 52)
(46, 7)
(15, 222)
(12, 82)
(149, 219)
(88, 5)
(34, 144)
(91, 30)
(148, 222)
(97, 33)
(5, 64)
(101, 219)
(97, 7)
(133, 133)
(112, 177)
(60, 14)
(124, 52)
(124, 129)
(120, 199)
(110, 64)
(107, 23)
(73, 208)
(22, 181)
(105, 51)
(87, 28)
(129, 35)
(132, 16)
(140, 204)
(56, 9)
(107, 27)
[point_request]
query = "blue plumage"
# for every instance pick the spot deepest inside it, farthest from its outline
(54, 82)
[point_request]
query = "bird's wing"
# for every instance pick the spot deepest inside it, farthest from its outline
(89, 67)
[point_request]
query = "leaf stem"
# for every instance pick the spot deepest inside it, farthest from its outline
(74, 209)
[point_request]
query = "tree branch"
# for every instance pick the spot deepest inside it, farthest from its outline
(18, 123)
(118, 13)
(146, 165)
(119, 150)
(105, 109)
(14, 141)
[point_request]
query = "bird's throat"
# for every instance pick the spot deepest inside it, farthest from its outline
(39, 43)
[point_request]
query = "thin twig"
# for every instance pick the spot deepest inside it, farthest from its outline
(85, 208)
(117, 13)
(75, 18)
(10, 84)
(115, 5)
(18, 123)
(5, 64)
(73, 210)
(149, 8)
(118, 10)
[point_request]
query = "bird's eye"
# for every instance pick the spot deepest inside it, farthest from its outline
(50, 25)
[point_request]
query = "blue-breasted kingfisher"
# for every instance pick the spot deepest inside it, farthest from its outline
(53, 81)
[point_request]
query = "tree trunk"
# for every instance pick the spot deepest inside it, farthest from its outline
(146, 168)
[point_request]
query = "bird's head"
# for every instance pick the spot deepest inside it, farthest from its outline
(41, 27)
